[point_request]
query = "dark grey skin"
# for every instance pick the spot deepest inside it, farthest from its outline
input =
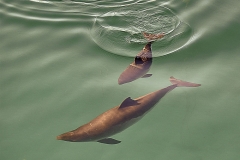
(139, 67)
(120, 117)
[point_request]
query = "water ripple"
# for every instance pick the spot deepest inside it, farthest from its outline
(117, 26)
(91, 7)
(120, 31)
(61, 10)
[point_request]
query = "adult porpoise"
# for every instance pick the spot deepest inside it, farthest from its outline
(121, 117)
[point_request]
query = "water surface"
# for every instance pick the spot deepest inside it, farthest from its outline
(60, 61)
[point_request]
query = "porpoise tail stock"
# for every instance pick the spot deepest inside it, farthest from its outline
(118, 118)
(181, 83)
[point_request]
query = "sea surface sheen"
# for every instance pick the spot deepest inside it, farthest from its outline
(60, 61)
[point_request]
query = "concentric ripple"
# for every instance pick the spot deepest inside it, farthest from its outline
(90, 7)
(120, 31)
(43, 9)
(117, 26)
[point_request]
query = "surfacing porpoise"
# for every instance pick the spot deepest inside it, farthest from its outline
(142, 62)
(117, 119)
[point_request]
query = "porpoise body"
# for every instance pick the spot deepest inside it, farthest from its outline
(142, 62)
(139, 67)
(120, 117)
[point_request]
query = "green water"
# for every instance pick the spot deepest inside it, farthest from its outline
(60, 61)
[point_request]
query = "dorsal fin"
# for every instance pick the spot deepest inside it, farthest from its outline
(128, 102)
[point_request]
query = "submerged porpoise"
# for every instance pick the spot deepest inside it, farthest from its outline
(120, 117)
(142, 62)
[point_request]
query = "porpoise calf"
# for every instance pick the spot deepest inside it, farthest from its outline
(142, 62)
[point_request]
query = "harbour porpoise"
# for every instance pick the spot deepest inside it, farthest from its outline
(117, 119)
(142, 62)
(139, 67)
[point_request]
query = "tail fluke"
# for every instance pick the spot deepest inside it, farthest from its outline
(152, 37)
(181, 83)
